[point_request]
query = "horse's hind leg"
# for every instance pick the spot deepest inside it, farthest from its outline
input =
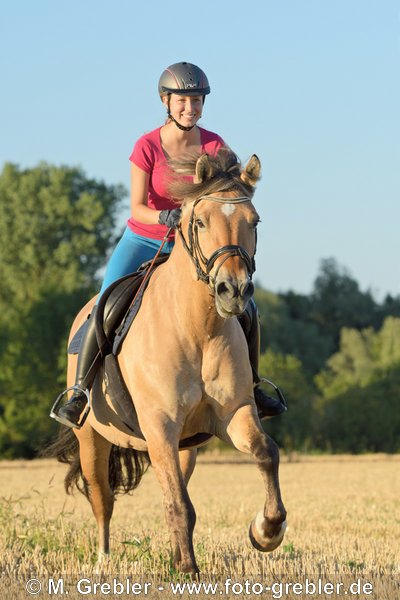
(179, 510)
(245, 432)
(94, 456)
(187, 461)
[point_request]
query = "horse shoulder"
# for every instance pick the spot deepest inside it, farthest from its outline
(226, 369)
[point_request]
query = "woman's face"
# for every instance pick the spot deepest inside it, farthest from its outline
(185, 109)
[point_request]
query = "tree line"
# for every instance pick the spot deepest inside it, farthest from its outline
(334, 352)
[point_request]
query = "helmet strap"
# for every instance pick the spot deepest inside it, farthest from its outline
(179, 126)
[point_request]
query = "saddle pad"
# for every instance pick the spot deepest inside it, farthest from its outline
(75, 344)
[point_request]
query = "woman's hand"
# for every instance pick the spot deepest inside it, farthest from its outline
(170, 218)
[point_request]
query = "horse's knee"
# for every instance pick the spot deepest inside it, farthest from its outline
(243, 431)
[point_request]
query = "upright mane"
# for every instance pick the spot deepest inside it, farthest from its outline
(212, 174)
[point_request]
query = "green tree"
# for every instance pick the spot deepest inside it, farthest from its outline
(286, 329)
(359, 407)
(56, 226)
(338, 302)
(294, 429)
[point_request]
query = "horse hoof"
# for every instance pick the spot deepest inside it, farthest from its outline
(259, 540)
(192, 572)
(102, 561)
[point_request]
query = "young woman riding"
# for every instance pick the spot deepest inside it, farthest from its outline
(182, 88)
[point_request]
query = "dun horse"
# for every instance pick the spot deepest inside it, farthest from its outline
(185, 363)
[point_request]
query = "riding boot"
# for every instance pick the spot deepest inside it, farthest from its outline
(88, 361)
(267, 406)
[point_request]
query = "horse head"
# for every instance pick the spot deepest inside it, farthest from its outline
(218, 226)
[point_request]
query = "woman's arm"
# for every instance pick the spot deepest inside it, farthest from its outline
(139, 190)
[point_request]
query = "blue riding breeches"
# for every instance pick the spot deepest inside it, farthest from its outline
(131, 251)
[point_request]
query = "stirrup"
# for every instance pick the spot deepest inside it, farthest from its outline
(280, 395)
(62, 420)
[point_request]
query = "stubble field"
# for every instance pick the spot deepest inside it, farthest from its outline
(343, 526)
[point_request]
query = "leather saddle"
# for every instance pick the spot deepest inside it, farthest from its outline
(116, 310)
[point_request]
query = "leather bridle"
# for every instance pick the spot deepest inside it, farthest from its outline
(192, 246)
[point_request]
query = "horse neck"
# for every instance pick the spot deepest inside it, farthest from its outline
(196, 303)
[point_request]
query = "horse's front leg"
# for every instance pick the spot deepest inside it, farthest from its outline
(180, 513)
(245, 432)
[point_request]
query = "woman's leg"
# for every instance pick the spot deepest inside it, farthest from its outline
(267, 406)
(131, 251)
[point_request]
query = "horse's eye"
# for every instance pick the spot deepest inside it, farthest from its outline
(255, 223)
(199, 223)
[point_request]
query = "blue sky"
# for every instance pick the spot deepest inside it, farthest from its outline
(310, 86)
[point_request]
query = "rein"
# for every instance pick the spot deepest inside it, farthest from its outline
(150, 267)
(192, 246)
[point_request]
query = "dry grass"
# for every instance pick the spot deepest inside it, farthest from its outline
(343, 514)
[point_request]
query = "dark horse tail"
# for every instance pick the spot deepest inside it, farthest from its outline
(126, 466)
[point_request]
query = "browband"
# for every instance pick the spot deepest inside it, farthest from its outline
(221, 199)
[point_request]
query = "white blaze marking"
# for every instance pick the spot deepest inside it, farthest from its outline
(228, 209)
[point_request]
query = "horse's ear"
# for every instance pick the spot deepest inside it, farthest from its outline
(252, 171)
(204, 169)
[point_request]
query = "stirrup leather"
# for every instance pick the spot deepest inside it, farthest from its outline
(56, 406)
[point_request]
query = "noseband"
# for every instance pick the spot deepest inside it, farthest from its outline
(192, 246)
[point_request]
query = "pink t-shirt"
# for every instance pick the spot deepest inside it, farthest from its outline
(149, 156)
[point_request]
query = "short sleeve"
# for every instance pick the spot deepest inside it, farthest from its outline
(143, 155)
(214, 144)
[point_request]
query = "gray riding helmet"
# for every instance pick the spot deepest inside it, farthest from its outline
(183, 78)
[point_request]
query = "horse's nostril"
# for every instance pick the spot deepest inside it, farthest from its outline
(248, 290)
(222, 288)
(227, 289)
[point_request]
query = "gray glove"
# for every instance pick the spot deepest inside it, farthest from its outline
(170, 218)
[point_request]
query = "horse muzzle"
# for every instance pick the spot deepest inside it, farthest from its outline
(232, 296)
